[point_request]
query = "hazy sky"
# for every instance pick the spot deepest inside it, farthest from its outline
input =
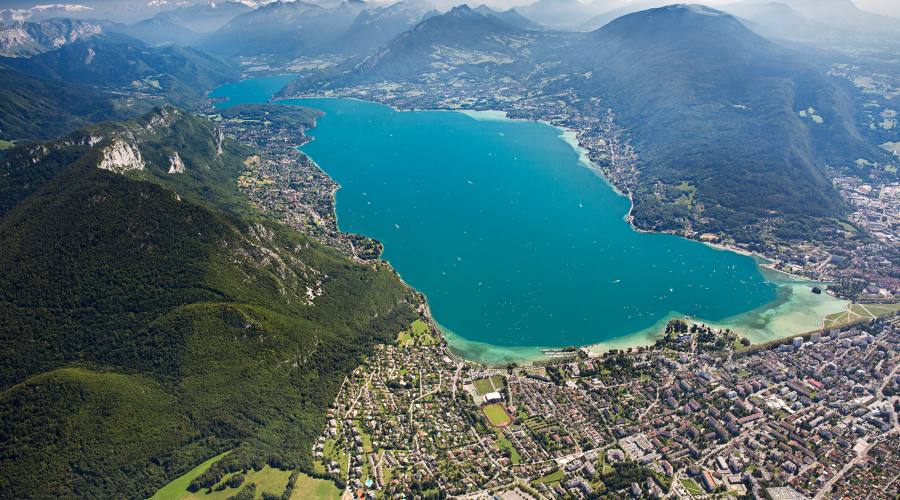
(885, 7)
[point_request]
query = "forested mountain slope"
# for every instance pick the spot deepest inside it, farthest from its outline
(151, 318)
(710, 103)
(34, 108)
(182, 75)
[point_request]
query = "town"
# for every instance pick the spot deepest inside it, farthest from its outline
(812, 417)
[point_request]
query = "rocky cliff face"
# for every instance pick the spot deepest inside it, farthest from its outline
(121, 157)
(20, 39)
(176, 166)
(220, 139)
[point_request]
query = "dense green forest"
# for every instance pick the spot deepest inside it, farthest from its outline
(150, 321)
(723, 118)
(275, 115)
(34, 108)
(182, 75)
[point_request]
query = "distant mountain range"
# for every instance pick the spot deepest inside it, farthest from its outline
(291, 29)
(204, 17)
(374, 28)
(183, 75)
(119, 11)
(27, 38)
(483, 43)
(285, 29)
(512, 17)
(557, 13)
(461, 43)
(838, 23)
(183, 25)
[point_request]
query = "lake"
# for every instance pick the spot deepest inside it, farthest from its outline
(518, 245)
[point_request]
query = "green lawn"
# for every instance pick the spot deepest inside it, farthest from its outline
(270, 480)
(177, 489)
(504, 444)
(366, 438)
(692, 487)
(497, 415)
(308, 488)
(553, 477)
(859, 312)
(6, 144)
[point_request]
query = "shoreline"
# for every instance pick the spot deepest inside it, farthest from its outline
(492, 355)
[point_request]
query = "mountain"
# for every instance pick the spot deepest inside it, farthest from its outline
(511, 17)
(31, 108)
(181, 26)
(374, 28)
(120, 11)
(25, 38)
(777, 20)
(183, 75)
(817, 20)
(838, 13)
(606, 11)
(459, 42)
(710, 103)
(285, 29)
(562, 14)
(27, 11)
(151, 318)
(160, 31)
(205, 17)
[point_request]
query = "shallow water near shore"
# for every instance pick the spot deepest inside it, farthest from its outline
(519, 247)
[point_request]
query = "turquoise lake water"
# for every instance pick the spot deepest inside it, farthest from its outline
(253, 91)
(516, 244)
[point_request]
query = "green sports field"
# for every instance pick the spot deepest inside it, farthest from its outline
(496, 414)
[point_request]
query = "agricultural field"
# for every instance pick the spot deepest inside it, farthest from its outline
(497, 415)
(268, 480)
(309, 488)
(859, 312)
(177, 489)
